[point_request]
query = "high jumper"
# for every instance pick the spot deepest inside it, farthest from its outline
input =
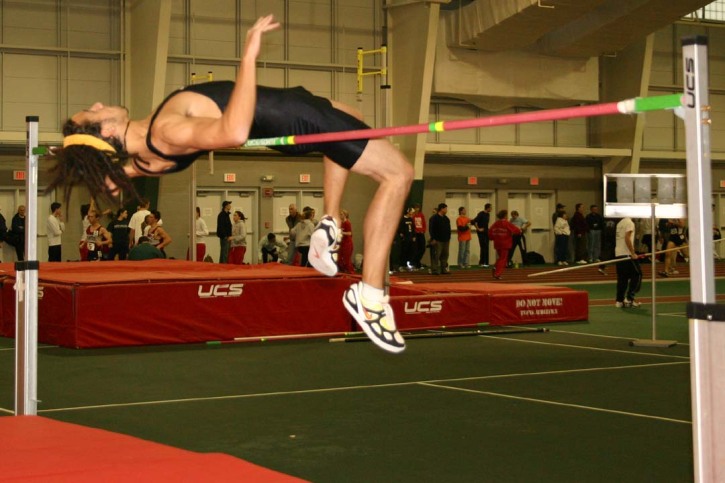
(104, 149)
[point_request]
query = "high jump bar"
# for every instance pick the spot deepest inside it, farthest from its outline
(442, 335)
(613, 260)
(630, 106)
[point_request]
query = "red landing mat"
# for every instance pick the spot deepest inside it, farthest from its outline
(432, 305)
(126, 303)
(33, 448)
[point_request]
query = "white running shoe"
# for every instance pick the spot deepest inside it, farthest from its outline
(631, 303)
(375, 319)
(324, 245)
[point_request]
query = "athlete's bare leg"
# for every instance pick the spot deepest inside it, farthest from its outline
(334, 180)
(394, 174)
(335, 176)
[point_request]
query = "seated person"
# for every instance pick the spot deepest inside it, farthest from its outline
(272, 249)
(144, 250)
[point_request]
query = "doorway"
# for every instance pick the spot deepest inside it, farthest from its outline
(210, 202)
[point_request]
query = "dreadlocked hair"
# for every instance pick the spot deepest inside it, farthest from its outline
(85, 165)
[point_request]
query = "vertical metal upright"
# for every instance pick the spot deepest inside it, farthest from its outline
(26, 288)
(707, 326)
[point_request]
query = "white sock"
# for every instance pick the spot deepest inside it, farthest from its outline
(371, 293)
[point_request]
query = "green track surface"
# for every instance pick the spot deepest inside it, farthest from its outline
(574, 404)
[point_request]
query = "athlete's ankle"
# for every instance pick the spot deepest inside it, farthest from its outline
(371, 293)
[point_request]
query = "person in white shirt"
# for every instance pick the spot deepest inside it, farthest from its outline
(54, 228)
(201, 231)
(561, 238)
(138, 218)
(629, 272)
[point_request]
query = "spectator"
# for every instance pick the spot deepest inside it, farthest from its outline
(16, 237)
(421, 228)
(271, 248)
(580, 228)
(502, 233)
(224, 230)
(629, 272)
(3, 230)
(144, 250)
(120, 235)
(95, 238)
(54, 228)
(519, 240)
(557, 212)
(439, 227)
(344, 256)
(663, 236)
(202, 231)
(463, 226)
(406, 237)
(238, 239)
(292, 219)
(137, 219)
(676, 238)
(716, 235)
(85, 208)
(155, 232)
(561, 241)
(481, 222)
(301, 234)
(643, 227)
(595, 224)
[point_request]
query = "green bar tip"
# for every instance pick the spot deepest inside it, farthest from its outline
(656, 103)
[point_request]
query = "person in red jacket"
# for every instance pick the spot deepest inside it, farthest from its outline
(502, 234)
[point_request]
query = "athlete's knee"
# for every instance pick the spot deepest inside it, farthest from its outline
(407, 173)
(398, 170)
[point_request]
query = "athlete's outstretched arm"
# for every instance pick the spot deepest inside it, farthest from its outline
(232, 128)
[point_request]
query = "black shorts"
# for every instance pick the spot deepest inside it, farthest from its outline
(296, 111)
(677, 240)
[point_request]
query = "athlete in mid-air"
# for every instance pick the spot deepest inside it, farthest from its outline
(104, 149)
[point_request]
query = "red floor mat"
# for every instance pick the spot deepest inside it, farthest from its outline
(33, 448)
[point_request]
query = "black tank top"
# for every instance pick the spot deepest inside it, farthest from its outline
(278, 112)
(219, 92)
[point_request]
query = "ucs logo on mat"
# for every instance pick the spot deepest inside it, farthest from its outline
(424, 307)
(220, 290)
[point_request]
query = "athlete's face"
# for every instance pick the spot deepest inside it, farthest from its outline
(99, 112)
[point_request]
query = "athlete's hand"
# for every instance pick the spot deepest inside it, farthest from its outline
(254, 36)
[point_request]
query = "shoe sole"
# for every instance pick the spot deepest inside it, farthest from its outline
(355, 311)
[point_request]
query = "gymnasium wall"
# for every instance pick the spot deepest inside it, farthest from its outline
(58, 56)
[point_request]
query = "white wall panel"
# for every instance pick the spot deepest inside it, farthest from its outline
(659, 130)
(30, 87)
(213, 29)
(454, 112)
(271, 77)
(571, 133)
(31, 23)
(537, 134)
(319, 83)
(310, 33)
(498, 135)
(91, 80)
(93, 24)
